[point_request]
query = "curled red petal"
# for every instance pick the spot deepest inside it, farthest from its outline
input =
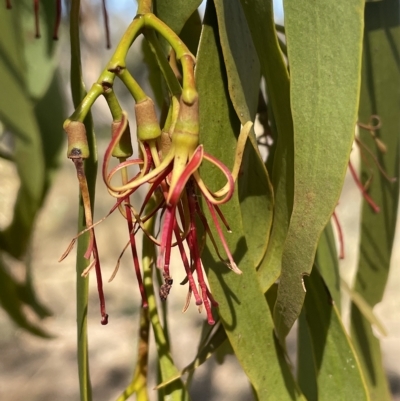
(192, 165)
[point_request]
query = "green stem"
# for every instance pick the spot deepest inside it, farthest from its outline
(83, 108)
(113, 104)
(82, 290)
(176, 390)
(144, 6)
(138, 384)
(117, 63)
(118, 58)
(134, 88)
(151, 21)
(166, 70)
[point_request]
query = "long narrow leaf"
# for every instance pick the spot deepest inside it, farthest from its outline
(339, 374)
(243, 309)
(324, 41)
(260, 17)
(380, 95)
(243, 73)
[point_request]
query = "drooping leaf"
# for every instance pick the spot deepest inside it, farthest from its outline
(190, 33)
(28, 112)
(239, 297)
(16, 112)
(260, 17)
(364, 308)
(306, 369)
(380, 95)
(339, 374)
(206, 350)
(324, 42)
(243, 73)
(12, 303)
(38, 52)
(326, 260)
(175, 12)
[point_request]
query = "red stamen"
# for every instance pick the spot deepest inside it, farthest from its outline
(208, 230)
(192, 241)
(135, 256)
(192, 284)
(367, 198)
(193, 246)
(36, 11)
(106, 24)
(232, 264)
(214, 303)
(58, 20)
(340, 234)
(222, 217)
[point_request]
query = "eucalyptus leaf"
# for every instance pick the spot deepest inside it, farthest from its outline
(339, 374)
(260, 18)
(175, 12)
(243, 73)
(306, 369)
(38, 52)
(239, 297)
(12, 303)
(28, 156)
(324, 41)
(327, 263)
(206, 350)
(380, 95)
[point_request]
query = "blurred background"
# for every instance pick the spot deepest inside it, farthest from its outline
(34, 368)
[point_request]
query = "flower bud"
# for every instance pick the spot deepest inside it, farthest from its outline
(146, 120)
(77, 140)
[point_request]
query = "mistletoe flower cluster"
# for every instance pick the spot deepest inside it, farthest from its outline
(167, 168)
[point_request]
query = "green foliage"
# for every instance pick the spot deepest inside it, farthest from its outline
(32, 111)
(324, 101)
(312, 76)
(380, 96)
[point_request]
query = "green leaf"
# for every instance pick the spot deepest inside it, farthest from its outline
(327, 262)
(243, 310)
(365, 309)
(206, 350)
(12, 303)
(339, 375)
(175, 12)
(11, 44)
(190, 33)
(38, 53)
(243, 73)
(37, 133)
(380, 96)
(26, 71)
(18, 115)
(306, 370)
(324, 49)
(260, 17)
